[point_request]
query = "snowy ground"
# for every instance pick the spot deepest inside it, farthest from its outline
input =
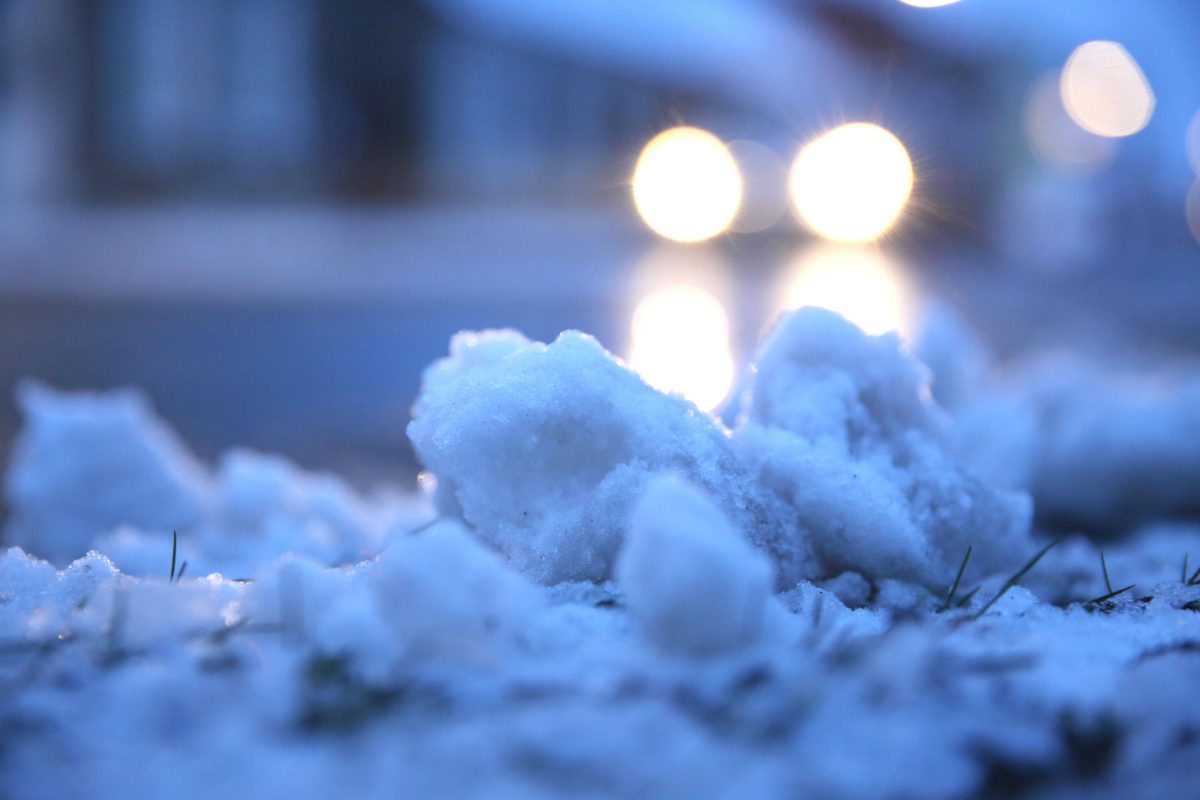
(601, 591)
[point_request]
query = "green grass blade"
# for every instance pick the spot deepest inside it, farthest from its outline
(1104, 567)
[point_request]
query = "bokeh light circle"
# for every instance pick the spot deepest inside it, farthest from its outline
(681, 344)
(686, 185)
(851, 183)
(859, 282)
(1105, 91)
(1055, 138)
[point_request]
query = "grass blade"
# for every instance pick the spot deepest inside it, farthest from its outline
(957, 578)
(1015, 579)
(1104, 567)
(1109, 596)
(174, 549)
(966, 599)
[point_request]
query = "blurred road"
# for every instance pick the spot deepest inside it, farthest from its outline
(304, 330)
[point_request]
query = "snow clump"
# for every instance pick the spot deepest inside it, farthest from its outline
(692, 583)
(841, 425)
(446, 596)
(88, 462)
(839, 463)
(1096, 447)
(101, 470)
(542, 449)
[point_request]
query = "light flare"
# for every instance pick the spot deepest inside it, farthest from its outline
(681, 344)
(1053, 135)
(1192, 142)
(686, 185)
(851, 183)
(859, 282)
(1192, 209)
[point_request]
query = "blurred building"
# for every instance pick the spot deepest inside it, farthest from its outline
(124, 99)
(191, 188)
(401, 99)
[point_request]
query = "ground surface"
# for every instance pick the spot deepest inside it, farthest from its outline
(620, 596)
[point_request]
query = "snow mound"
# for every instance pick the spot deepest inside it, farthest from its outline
(1096, 447)
(542, 449)
(100, 470)
(40, 601)
(839, 463)
(85, 463)
(430, 664)
(841, 424)
(692, 583)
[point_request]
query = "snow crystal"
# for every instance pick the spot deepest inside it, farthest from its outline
(692, 583)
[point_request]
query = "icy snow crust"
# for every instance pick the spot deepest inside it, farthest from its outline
(619, 597)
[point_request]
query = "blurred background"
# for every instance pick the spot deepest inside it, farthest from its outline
(272, 214)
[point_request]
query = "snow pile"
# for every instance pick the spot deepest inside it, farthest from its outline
(101, 470)
(840, 424)
(622, 599)
(838, 465)
(85, 463)
(1110, 456)
(542, 449)
(1102, 452)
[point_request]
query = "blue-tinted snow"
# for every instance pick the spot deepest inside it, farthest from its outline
(650, 634)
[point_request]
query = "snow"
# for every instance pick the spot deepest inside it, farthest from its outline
(85, 462)
(621, 597)
(842, 425)
(445, 596)
(101, 470)
(713, 598)
(587, 434)
(1120, 455)
(1095, 445)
